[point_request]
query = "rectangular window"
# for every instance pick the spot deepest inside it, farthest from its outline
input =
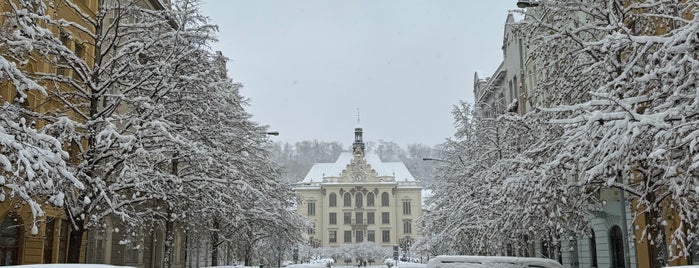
(62, 64)
(311, 209)
(359, 217)
(348, 237)
(312, 229)
(333, 218)
(80, 53)
(332, 236)
(63, 240)
(384, 218)
(48, 242)
(386, 236)
(370, 218)
(371, 236)
(406, 207)
(358, 236)
(348, 218)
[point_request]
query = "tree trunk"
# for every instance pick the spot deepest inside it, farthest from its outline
(169, 223)
(248, 259)
(168, 243)
(655, 231)
(214, 243)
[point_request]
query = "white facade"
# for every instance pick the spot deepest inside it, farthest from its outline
(359, 199)
(501, 92)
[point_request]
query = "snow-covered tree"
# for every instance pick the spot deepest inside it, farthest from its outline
(157, 128)
(33, 168)
(628, 71)
(619, 82)
(496, 188)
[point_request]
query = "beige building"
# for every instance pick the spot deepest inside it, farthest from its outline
(359, 199)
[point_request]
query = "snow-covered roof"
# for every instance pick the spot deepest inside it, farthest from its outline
(393, 169)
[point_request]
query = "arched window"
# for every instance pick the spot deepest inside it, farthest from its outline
(616, 240)
(347, 200)
(407, 227)
(593, 249)
(370, 199)
(10, 231)
(384, 199)
(332, 200)
(358, 200)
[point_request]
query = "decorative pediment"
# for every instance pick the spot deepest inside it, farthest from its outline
(358, 170)
(357, 189)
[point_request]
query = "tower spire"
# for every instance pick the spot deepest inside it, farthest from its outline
(358, 145)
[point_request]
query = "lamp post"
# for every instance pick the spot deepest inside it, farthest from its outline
(445, 161)
(434, 159)
(272, 133)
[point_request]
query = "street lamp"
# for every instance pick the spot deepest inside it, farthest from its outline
(527, 3)
(272, 133)
(434, 159)
(442, 160)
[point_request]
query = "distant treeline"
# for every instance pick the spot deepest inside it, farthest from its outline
(296, 159)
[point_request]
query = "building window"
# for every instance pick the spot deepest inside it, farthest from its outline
(80, 53)
(332, 236)
(10, 231)
(407, 227)
(348, 218)
(358, 200)
(370, 199)
(48, 242)
(406, 207)
(62, 64)
(593, 249)
(358, 236)
(386, 236)
(332, 218)
(370, 218)
(384, 199)
(332, 200)
(371, 236)
(347, 200)
(384, 218)
(359, 217)
(311, 209)
(348, 237)
(63, 241)
(312, 229)
(617, 246)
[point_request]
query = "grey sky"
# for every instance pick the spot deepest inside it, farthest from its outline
(308, 65)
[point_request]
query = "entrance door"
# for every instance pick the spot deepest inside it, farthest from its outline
(10, 231)
(617, 247)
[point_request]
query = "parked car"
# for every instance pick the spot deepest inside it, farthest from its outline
(445, 261)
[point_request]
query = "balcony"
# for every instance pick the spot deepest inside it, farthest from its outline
(359, 225)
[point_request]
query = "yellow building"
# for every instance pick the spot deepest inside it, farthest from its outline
(359, 199)
(50, 244)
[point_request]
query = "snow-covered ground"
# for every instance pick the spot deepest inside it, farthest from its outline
(317, 265)
(70, 265)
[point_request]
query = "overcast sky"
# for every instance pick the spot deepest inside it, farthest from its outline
(307, 65)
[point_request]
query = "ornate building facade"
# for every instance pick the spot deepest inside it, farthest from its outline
(360, 198)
